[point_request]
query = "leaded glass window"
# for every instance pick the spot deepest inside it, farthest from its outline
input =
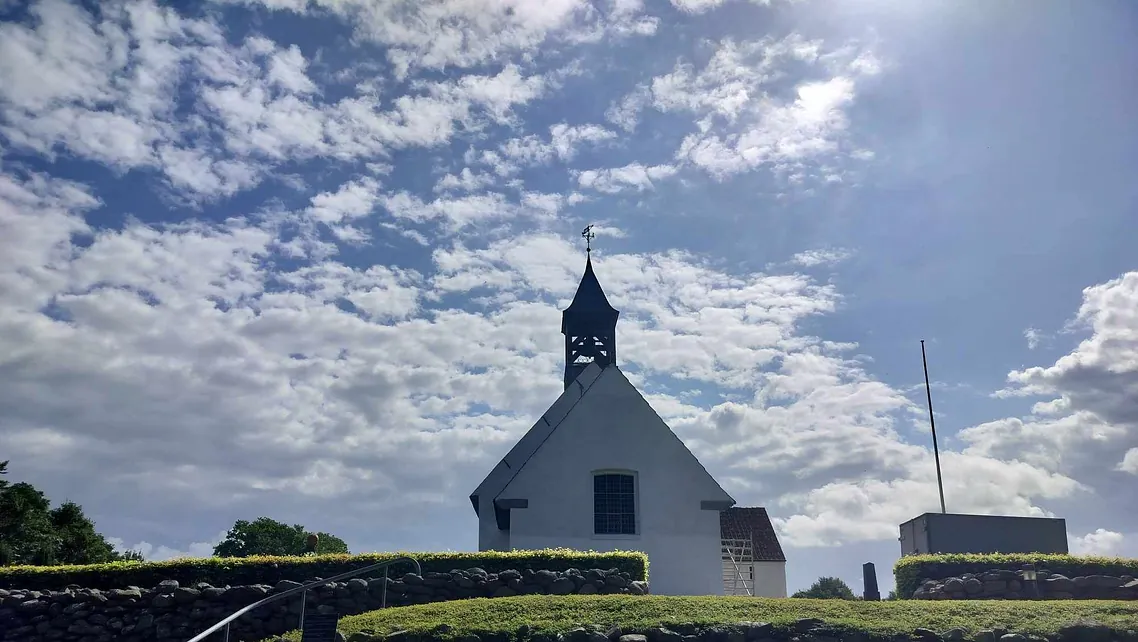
(614, 504)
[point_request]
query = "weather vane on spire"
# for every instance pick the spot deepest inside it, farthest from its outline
(589, 235)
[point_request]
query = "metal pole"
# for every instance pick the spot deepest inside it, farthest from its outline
(383, 591)
(303, 602)
(226, 633)
(932, 423)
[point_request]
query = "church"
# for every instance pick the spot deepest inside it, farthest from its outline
(601, 471)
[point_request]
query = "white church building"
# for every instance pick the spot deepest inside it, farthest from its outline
(601, 471)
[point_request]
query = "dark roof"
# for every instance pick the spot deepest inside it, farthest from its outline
(590, 306)
(753, 524)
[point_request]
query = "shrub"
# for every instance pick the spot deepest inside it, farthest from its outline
(232, 571)
(827, 588)
(910, 570)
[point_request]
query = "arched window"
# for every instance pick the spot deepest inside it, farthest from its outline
(614, 503)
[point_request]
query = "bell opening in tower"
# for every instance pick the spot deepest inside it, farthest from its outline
(589, 326)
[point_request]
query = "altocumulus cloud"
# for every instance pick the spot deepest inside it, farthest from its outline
(338, 301)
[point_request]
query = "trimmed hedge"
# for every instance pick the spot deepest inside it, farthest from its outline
(236, 571)
(910, 570)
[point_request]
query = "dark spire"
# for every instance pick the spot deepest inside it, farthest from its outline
(589, 326)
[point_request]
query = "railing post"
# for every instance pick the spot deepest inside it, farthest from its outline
(226, 633)
(383, 592)
(303, 605)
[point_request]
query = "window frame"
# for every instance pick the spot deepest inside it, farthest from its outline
(635, 503)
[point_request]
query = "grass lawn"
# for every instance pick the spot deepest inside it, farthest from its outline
(554, 614)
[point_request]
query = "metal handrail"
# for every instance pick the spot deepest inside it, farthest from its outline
(302, 589)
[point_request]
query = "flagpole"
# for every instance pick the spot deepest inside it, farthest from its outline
(932, 423)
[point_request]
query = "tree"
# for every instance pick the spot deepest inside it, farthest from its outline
(265, 536)
(31, 532)
(76, 539)
(25, 526)
(828, 588)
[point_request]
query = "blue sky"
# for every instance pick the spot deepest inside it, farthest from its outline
(306, 259)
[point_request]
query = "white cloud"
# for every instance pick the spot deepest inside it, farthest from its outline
(498, 94)
(438, 35)
(194, 171)
(1100, 375)
(632, 176)
(460, 212)
(1087, 427)
(338, 210)
(36, 216)
(701, 6)
(1100, 542)
(1034, 336)
(1045, 442)
(105, 90)
(181, 330)
(871, 509)
(1129, 463)
(153, 553)
(814, 258)
(75, 83)
(466, 181)
(566, 139)
(742, 126)
(625, 112)
(287, 71)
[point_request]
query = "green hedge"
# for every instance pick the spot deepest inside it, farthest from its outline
(235, 571)
(910, 570)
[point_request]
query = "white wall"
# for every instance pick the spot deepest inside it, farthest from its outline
(613, 428)
(764, 579)
(770, 579)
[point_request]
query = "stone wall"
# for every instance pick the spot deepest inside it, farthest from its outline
(1010, 585)
(169, 612)
(805, 630)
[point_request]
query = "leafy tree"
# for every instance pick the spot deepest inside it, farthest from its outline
(76, 539)
(828, 588)
(25, 525)
(265, 536)
(31, 532)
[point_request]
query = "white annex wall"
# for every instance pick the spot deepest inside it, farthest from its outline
(770, 579)
(612, 427)
(763, 579)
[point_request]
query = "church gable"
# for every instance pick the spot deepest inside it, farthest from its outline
(612, 427)
(512, 463)
(600, 431)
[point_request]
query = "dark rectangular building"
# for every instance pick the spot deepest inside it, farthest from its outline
(954, 533)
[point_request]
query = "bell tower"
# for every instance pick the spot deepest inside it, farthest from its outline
(589, 323)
